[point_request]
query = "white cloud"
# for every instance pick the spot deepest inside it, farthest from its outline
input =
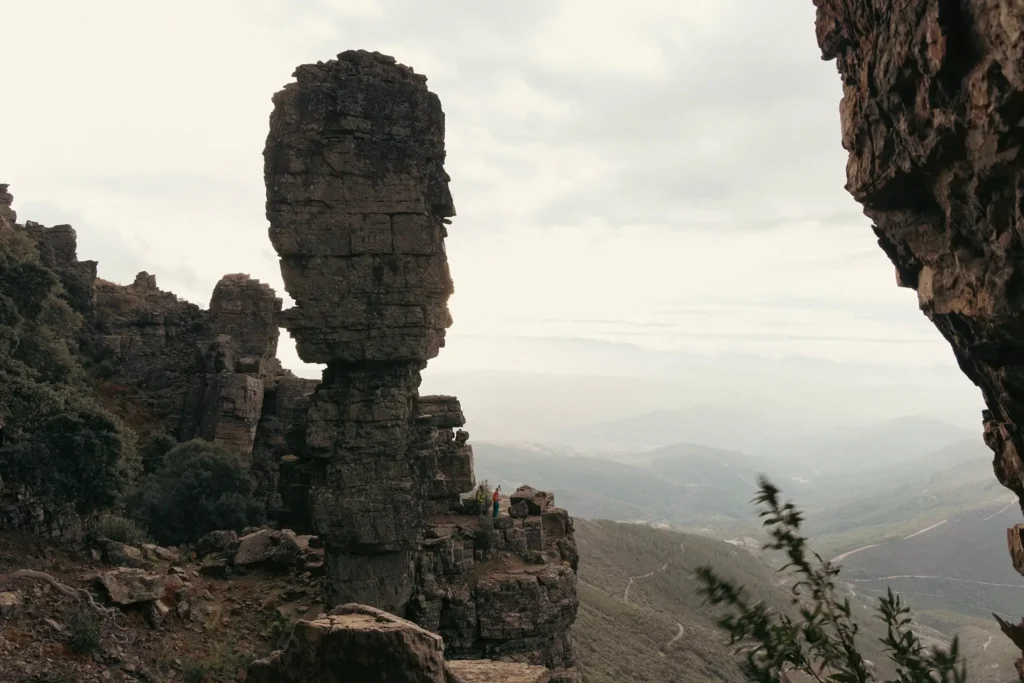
(609, 160)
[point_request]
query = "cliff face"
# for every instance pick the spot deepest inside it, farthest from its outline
(358, 202)
(933, 120)
(165, 365)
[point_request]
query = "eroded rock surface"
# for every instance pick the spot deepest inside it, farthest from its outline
(470, 671)
(358, 202)
(356, 199)
(932, 111)
(355, 643)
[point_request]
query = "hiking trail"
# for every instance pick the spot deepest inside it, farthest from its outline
(676, 637)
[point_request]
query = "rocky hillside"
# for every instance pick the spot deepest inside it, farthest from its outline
(358, 205)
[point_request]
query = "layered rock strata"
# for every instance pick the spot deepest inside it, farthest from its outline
(358, 643)
(933, 119)
(235, 365)
(164, 364)
(358, 203)
(356, 199)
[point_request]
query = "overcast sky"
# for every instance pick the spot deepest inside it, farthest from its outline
(665, 173)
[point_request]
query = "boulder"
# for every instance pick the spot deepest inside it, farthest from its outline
(216, 567)
(269, 547)
(536, 501)
(128, 586)
(157, 553)
(519, 509)
(123, 555)
(156, 613)
(217, 542)
(9, 603)
(363, 644)
(482, 671)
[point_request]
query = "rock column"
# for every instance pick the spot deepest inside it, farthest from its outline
(932, 112)
(357, 200)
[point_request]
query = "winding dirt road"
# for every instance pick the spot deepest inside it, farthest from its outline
(625, 598)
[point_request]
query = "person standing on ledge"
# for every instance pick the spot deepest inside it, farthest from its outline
(495, 498)
(481, 500)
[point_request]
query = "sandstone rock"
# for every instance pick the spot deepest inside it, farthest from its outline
(358, 201)
(216, 566)
(124, 555)
(155, 553)
(537, 501)
(519, 509)
(355, 643)
(156, 613)
(468, 671)
(930, 118)
(269, 547)
(356, 197)
(217, 542)
(10, 601)
(131, 586)
(538, 601)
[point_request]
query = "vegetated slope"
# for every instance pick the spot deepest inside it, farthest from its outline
(656, 628)
(958, 564)
(900, 501)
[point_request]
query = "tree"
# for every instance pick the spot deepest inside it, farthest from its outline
(155, 450)
(200, 487)
(821, 643)
(73, 462)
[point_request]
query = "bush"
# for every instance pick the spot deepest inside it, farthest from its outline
(74, 461)
(822, 642)
(85, 632)
(155, 450)
(120, 529)
(201, 487)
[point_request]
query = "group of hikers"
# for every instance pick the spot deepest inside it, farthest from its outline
(481, 500)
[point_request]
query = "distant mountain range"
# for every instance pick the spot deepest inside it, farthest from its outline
(602, 395)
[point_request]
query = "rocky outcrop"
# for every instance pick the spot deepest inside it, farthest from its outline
(358, 204)
(360, 643)
(356, 198)
(356, 643)
(933, 100)
(283, 478)
(235, 364)
(165, 365)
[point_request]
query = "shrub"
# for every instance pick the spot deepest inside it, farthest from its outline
(155, 450)
(822, 642)
(74, 461)
(120, 529)
(201, 487)
(85, 632)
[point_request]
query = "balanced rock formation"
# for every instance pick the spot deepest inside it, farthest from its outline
(933, 120)
(358, 203)
(356, 199)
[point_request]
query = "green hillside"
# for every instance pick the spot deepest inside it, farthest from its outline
(631, 635)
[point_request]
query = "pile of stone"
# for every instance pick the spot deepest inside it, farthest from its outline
(224, 553)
